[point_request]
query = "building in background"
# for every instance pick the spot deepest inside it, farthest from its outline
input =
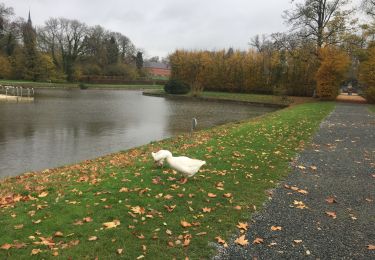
(157, 69)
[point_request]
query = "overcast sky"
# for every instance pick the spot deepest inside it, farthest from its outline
(161, 26)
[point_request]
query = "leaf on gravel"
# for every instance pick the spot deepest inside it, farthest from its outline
(185, 223)
(111, 224)
(258, 240)
(276, 228)
(35, 251)
(331, 214)
(6, 246)
(241, 241)
(242, 225)
(221, 241)
(304, 192)
(297, 241)
(331, 200)
(370, 247)
(299, 204)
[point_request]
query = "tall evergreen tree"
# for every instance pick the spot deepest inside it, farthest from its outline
(112, 51)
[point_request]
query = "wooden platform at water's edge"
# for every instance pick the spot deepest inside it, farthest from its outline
(4, 98)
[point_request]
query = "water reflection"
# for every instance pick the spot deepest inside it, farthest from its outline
(67, 126)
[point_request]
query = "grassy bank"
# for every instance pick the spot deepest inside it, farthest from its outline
(31, 84)
(121, 205)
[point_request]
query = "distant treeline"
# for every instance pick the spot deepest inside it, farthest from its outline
(63, 49)
(324, 50)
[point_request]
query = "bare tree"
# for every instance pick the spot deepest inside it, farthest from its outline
(369, 7)
(313, 19)
(63, 38)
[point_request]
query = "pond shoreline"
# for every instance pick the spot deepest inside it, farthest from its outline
(209, 99)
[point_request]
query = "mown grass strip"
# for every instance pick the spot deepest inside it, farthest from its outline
(151, 213)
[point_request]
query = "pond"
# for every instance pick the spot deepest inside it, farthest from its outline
(67, 126)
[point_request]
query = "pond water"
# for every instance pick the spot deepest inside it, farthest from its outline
(67, 126)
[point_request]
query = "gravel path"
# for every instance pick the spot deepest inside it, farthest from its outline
(340, 165)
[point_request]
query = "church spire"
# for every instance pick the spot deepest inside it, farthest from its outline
(29, 19)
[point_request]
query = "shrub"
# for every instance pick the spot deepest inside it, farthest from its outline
(370, 95)
(83, 86)
(176, 87)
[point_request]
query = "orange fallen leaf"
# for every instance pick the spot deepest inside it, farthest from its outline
(331, 200)
(227, 195)
(302, 191)
(124, 189)
(221, 241)
(170, 208)
(331, 214)
(242, 225)
(185, 223)
(211, 195)
(35, 251)
(6, 246)
(370, 247)
(58, 234)
(237, 207)
(241, 241)
(186, 242)
(205, 209)
(87, 219)
(111, 224)
(258, 240)
(92, 238)
(18, 226)
(43, 194)
(138, 210)
(276, 228)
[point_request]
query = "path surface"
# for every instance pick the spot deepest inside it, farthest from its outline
(354, 98)
(343, 153)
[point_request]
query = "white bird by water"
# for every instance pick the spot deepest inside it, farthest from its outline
(185, 165)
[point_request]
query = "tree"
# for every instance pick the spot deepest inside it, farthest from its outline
(312, 19)
(64, 40)
(112, 51)
(139, 60)
(332, 71)
(369, 7)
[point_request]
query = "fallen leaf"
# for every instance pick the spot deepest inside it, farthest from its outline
(258, 240)
(58, 234)
(370, 247)
(43, 194)
(221, 241)
(170, 208)
(87, 219)
(241, 241)
(211, 195)
(297, 241)
(331, 214)
(302, 191)
(18, 226)
(138, 210)
(93, 238)
(6, 246)
(120, 251)
(185, 223)
(35, 251)
(111, 224)
(331, 200)
(242, 225)
(299, 204)
(237, 207)
(276, 228)
(227, 195)
(186, 242)
(205, 209)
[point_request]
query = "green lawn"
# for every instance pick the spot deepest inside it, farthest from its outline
(32, 84)
(151, 213)
(372, 108)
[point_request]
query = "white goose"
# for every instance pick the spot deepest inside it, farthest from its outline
(185, 165)
(160, 156)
